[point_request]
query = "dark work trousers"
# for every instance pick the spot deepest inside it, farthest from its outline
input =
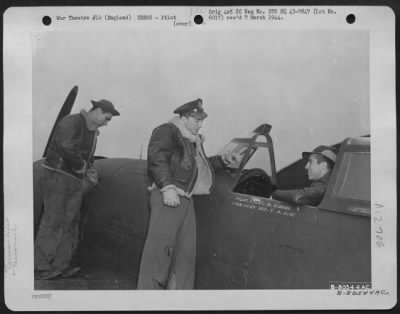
(169, 254)
(57, 236)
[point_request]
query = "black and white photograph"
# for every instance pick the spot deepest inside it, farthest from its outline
(205, 157)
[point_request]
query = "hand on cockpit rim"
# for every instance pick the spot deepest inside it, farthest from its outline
(230, 158)
(171, 197)
(92, 176)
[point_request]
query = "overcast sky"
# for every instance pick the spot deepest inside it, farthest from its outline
(311, 86)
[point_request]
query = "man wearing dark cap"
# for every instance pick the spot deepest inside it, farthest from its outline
(319, 167)
(178, 168)
(69, 174)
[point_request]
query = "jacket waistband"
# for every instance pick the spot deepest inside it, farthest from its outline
(61, 171)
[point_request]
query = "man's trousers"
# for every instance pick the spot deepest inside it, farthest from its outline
(169, 254)
(57, 236)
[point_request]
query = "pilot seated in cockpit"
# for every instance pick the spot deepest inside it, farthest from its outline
(319, 167)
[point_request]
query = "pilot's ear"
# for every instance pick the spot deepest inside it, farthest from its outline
(324, 165)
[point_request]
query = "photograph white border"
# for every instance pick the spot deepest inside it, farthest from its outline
(21, 23)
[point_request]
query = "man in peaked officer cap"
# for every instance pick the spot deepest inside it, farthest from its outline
(178, 168)
(319, 167)
(193, 108)
(68, 175)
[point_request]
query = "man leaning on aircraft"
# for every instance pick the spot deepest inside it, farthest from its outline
(68, 175)
(179, 168)
(319, 167)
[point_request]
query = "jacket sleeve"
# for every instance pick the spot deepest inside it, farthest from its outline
(307, 196)
(160, 150)
(66, 137)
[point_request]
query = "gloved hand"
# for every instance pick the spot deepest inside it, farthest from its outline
(171, 197)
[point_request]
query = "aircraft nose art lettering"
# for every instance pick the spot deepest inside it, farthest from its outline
(266, 206)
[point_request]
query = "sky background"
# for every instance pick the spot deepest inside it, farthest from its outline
(311, 86)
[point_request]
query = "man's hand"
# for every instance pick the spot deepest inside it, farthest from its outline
(92, 176)
(82, 170)
(230, 158)
(171, 197)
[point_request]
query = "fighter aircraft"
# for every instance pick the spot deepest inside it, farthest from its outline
(245, 239)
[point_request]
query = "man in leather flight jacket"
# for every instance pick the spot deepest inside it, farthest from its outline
(179, 168)
(319, 167)
(68, 173)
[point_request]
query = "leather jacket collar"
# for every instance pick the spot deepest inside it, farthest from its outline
(89, 124)
(177, 121)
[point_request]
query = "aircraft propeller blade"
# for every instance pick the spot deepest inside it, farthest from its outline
(65, 110)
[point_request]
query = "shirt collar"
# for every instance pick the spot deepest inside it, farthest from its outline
(177, 121)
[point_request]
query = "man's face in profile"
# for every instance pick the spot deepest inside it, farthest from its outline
(315, 169)
(192, 124)
(101, 118)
